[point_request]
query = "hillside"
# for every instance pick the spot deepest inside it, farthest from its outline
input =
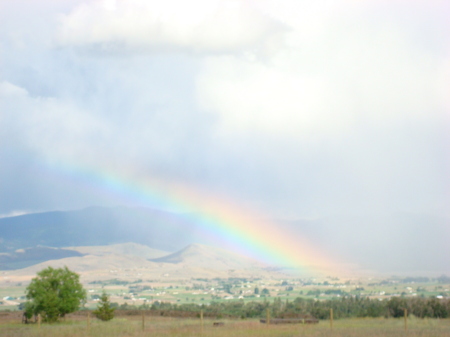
(126, 249)
(90, 263)
(391, 243)
(193, 261)
(202, 256)
(96, 226)
(23, 258)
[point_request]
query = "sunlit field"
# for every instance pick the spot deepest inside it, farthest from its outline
(163, 326)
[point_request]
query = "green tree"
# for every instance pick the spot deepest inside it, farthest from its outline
(227, 288)
(396, 306)
(265, 292)
(54, 293)
(104, 311)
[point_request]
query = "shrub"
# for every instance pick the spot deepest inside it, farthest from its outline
(105, 310)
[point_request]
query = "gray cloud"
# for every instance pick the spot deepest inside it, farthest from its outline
(344, 113)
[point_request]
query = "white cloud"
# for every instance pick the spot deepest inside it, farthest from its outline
(269, 99)
(11, 90)
(337, 111)
(334, 73)
(51, 127)
(444, 83)
(212, 26)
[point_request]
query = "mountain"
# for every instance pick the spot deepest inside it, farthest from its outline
(126, 249)
(193, 261)
(202, 256)
(390, 243)
(98, 267)
(23, 258)
(96, 226)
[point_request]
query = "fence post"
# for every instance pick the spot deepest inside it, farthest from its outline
(331, 318)
(39, 321)
(405, 314)
(267, 316)
(201, 319)
(143, 320)
(88, 321)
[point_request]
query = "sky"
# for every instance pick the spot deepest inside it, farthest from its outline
(294, 109)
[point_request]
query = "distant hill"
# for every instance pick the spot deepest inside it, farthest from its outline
(27, 257)
(193, 261)
(126, 249)
(96, 226)
(391, 243)
(23, 258)
(98, 265)
(202, 256)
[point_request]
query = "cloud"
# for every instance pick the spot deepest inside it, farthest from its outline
(335, 73)
(10, 90)
(52, 127)
(300, 108)
(199, 26)
(270, 99)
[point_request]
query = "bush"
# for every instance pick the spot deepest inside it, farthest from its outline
(104, 311)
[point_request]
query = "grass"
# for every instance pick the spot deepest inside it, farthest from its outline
(162, 326)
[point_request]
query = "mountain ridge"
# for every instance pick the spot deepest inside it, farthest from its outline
(388, 243)
(94, 226)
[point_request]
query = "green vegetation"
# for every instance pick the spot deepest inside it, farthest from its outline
(250, 297)
(345, 307)
(54, 293)
(361, 307)
(105, 311)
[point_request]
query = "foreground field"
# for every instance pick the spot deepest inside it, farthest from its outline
(162, 326)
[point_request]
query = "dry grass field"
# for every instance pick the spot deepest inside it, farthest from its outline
(77, 326)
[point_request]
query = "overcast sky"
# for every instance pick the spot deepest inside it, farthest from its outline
(301, 109)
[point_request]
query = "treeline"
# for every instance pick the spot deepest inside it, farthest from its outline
(346, 307)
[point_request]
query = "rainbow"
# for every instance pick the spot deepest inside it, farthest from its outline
(243, 231)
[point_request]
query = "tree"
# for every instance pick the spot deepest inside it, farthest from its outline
(396, 306)
(54, 293)
(104, 311)
(227, 288)
(265, 292)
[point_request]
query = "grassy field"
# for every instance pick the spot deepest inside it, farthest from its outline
(162, 326)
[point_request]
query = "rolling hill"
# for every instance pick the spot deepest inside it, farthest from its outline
(23, 258)
(126, 249)
(390, 243)
(202, 256)
(193, 261)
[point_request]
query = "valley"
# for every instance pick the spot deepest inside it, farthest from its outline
(136, 276)
(154, 261)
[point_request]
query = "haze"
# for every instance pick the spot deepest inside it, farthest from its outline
(331, 112)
